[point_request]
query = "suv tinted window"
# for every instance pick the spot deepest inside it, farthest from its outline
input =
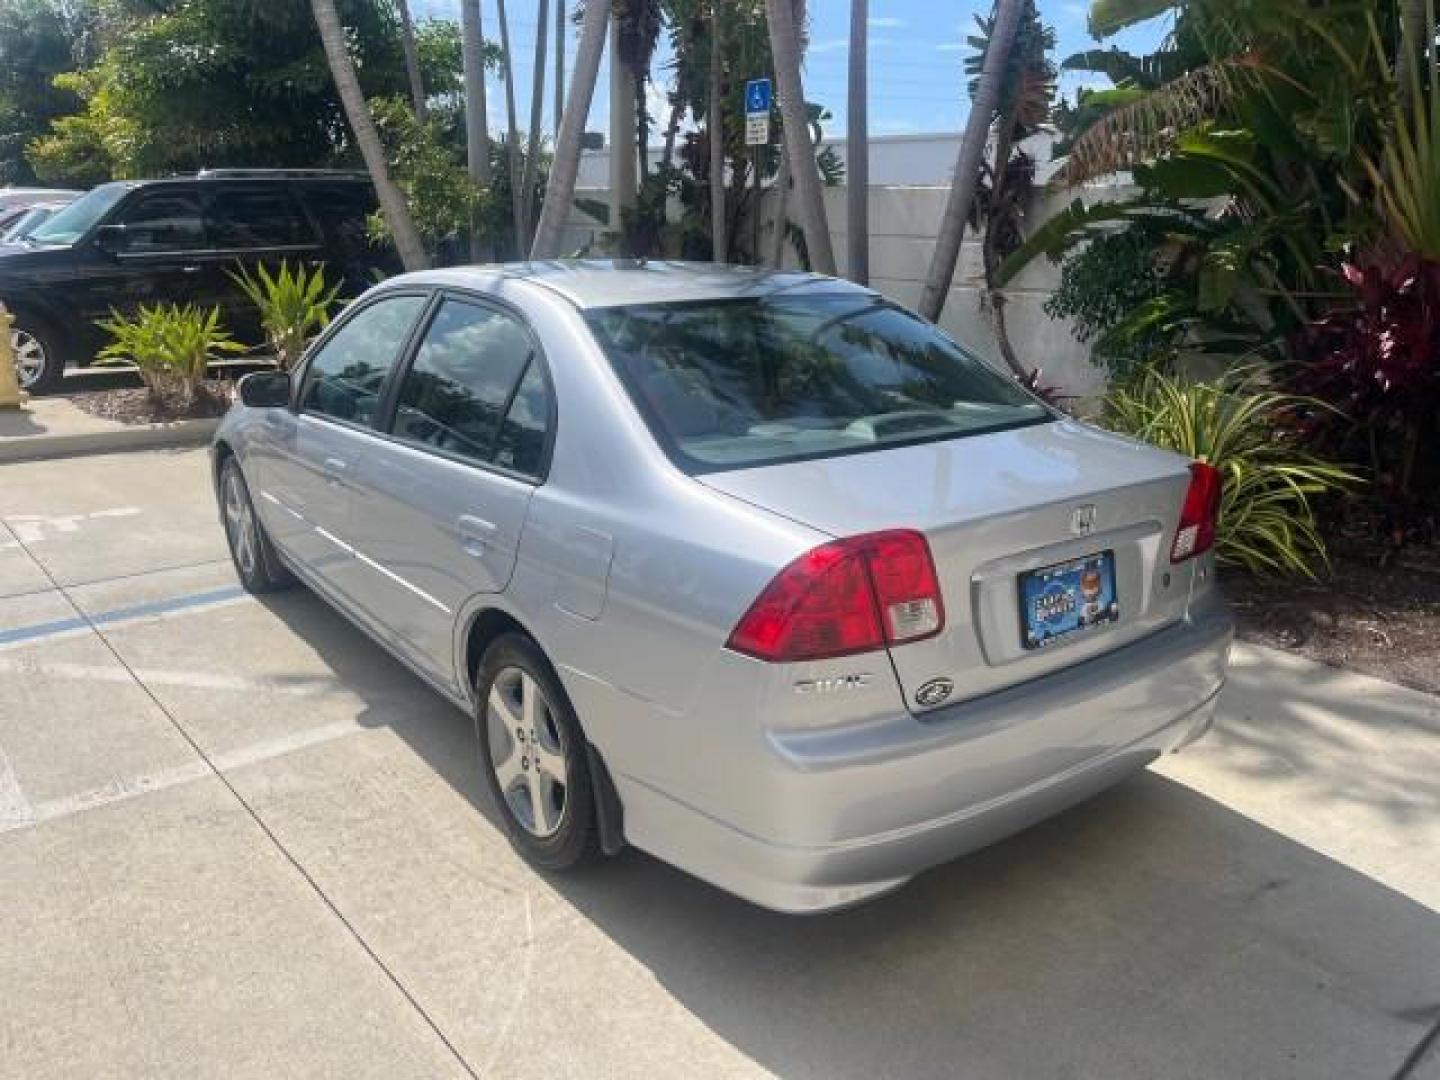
(341, 211)
(456, 393)
(346, 376)
(163, 221)
(254, 218)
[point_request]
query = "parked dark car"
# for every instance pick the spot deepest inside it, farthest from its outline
(173, 241)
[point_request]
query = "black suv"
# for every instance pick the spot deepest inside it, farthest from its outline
(156, 241)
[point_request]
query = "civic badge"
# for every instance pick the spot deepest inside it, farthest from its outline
(1082, 519)
(934, 692)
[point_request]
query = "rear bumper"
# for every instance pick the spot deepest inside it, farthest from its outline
(892, 798)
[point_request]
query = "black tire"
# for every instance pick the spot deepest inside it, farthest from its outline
(34, 342)
(573, 840)
(256, 563)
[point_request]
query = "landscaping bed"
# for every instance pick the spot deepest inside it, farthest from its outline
(1382, 620)
(136, 405)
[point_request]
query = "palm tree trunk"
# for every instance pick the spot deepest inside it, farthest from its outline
(990, 256)
(715, 125)
(560, 188)
(412, 60)
(967, 162)
(559, 61)
(857, 153)
(785, 48)
(512, 133)
(782, 174)
(537, 108)
(477, 135)
(347, 84)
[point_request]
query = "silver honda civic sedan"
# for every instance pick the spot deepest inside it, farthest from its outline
(755, 571)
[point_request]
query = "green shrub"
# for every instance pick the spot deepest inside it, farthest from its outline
(293, 306)
(1268, 522)
(171, 345)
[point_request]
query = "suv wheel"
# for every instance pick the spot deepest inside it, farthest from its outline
(534, 756)
(39, 364)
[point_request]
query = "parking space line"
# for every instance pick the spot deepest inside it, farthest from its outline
(24, 815)
(15, 809)
(186, 602)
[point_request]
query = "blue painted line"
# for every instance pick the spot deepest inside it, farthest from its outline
(137, 611)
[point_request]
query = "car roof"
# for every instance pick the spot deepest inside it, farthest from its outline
(600, 283)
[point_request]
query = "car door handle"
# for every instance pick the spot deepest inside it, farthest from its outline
(475, 534)
(334, 470)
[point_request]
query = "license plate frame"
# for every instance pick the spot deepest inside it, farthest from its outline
(1064, 600)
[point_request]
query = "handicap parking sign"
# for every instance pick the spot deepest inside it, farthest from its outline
(757, 96)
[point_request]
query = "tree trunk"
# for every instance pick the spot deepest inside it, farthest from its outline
(782, 174)
(990, 259)
(559, 61)
(347, 85)
(857, 153)
(412, 60)
(967, 162)
(560, 188)
(785, 48)
(512, 133)
(715, 127)
(477, 135)
(623, 172)
(537, 108)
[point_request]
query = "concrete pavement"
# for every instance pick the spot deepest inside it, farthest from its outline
(236, 839)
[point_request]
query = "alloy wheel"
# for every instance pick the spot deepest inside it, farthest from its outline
(240, 523)
(30, 358)
(527, 751)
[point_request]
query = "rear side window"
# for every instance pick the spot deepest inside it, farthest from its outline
(255, 218)
(475, 389)
(341, 211)
(161, 221)
(728, 384)
(346, 377)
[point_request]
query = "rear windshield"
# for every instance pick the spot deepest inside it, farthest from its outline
(728, 384)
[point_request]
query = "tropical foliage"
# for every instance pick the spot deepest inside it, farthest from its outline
(171, 345)
(293, 306)
(1269, 521)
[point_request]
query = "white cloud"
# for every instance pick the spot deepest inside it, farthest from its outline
(829, 45)
(885, 22)
(951, 46)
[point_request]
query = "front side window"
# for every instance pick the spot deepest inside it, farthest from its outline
(733, 383)
(73, 222)
(254, 218)
(475, 389)
(347, 375)
(164, 221)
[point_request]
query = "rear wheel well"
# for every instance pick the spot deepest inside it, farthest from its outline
(610, 818)
(488, 626)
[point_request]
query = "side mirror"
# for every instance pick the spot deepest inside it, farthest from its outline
(265, 390)
(111, 239)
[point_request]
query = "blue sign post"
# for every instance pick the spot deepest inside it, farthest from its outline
(757, 96)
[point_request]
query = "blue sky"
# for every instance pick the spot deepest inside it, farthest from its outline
(917, 53)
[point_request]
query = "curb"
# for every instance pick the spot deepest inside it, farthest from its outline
(139, 437)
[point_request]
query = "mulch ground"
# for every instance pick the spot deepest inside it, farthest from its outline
(1380, 620)
(137, 406)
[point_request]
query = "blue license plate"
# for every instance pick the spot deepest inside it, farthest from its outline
(1067, 598)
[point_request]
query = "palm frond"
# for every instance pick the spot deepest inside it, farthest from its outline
(1144, 129)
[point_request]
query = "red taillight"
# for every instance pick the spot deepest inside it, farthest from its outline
(1200, 514)
(848, 596)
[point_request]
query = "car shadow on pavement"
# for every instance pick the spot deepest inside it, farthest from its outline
(1149, 932)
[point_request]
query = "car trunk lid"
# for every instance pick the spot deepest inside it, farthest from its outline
(994, 507)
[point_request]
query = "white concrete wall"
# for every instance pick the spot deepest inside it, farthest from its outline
(904, 222)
